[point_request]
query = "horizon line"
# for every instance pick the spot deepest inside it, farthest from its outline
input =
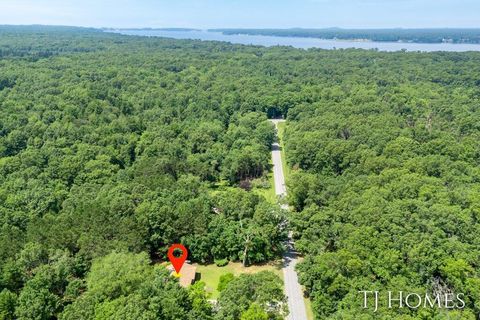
(243, 28)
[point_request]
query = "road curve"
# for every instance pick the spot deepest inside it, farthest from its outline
(293, 290)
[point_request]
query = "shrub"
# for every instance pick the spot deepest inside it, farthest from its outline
(221, 262)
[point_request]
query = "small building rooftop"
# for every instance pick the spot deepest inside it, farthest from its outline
(187, 274)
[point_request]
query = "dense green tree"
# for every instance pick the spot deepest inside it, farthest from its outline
(8, 301)
(126, 286)
(224, 281)
(253, 296)
(254, 312)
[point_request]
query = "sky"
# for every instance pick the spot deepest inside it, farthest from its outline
(244, 13)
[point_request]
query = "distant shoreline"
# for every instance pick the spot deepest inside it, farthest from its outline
(303, 42)
(467, 36)
(426, 36)
(151, 29)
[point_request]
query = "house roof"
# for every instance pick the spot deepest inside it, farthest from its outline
(187, 274)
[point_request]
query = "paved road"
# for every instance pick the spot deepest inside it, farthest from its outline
(293, 290)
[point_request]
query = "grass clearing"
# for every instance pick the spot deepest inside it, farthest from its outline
(280, 133)
(308, 306)
(210, 274)
(267, 192)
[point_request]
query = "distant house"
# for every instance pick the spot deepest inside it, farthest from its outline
(187, 274)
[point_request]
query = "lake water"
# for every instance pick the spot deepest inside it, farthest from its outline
(302, 43)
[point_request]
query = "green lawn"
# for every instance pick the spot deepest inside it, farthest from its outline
(210, 274)
(267, 193)
(308, 306)
(281, 131)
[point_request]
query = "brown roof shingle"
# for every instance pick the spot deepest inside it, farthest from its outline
(187, 274)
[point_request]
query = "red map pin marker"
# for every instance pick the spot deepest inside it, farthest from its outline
(177, 262)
